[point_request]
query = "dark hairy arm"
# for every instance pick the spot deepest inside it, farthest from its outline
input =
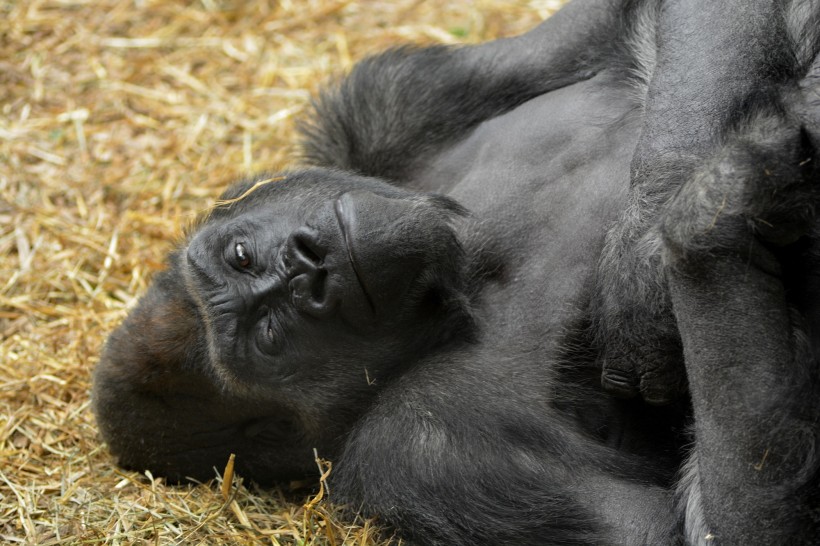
(396, 107)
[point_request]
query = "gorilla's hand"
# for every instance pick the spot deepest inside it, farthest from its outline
(650, 365)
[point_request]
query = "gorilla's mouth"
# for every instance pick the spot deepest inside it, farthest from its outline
(342, 218)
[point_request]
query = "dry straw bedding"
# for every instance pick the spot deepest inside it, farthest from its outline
(119, 121)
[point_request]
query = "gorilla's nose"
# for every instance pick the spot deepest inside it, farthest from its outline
(304, 261)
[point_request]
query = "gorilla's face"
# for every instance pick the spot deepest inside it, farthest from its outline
(317, 268)
(281, 316)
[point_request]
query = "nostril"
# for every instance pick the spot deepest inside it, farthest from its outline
(317, 291)
(303, 251)
(308, 249)
(309, 294)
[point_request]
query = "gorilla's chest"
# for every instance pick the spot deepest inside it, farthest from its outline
(547, 179)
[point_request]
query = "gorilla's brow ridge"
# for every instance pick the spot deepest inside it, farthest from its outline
(204, 216)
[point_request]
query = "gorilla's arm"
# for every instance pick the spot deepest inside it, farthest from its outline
(396, 107)
(449, 470)
(711, 64)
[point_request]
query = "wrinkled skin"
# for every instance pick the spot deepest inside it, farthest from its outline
(554, 289)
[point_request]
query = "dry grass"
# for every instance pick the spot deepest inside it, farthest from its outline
(119, 121)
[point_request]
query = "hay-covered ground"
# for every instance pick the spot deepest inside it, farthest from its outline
(119, 120)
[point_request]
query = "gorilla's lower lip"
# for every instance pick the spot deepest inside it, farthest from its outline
(341, 215)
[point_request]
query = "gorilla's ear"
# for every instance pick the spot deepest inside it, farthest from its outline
(161, 343)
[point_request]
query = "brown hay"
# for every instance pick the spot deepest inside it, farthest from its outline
(119, 120)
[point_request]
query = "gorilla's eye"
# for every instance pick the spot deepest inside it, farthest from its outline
(243, 259)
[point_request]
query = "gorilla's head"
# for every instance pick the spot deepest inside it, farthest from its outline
(286, 309)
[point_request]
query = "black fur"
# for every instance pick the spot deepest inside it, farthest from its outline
(555, 289)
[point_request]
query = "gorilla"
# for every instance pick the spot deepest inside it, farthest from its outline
(561, 288)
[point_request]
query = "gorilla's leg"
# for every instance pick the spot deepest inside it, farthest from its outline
(712, 61)
(729, 240)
